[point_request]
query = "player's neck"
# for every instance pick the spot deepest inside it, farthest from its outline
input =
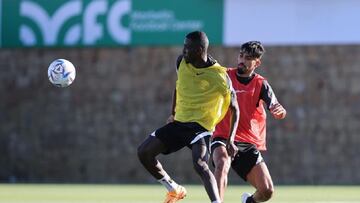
(202, 63)
(246, 75)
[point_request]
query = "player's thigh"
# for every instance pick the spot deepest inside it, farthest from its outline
(259, 176)
(174, 136)
(200, 150)
(151, 146)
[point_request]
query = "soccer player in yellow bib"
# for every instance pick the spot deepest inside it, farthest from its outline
(202, 96)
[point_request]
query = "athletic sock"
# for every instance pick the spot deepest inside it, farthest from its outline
(216, 202)
(168, 183)
(250, 200)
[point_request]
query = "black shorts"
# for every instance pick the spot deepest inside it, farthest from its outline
(176, 135)
(247, 157)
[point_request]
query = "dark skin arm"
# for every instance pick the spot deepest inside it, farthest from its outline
(234, 120)
(171, 117)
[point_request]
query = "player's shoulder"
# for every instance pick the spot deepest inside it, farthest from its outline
(261, 80)
(260, 77)
(178, 61)
(231, 72)
(230, 69)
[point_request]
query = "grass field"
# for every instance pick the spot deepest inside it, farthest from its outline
(48, 193)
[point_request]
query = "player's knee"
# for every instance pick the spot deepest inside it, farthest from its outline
(142, 152)
(221, 161)
(222, 165)
(266, 192)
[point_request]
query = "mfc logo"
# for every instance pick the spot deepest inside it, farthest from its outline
(92, 31)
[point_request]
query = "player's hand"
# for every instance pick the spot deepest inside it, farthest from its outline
(278, 111)
(231, 149)
(170, 119)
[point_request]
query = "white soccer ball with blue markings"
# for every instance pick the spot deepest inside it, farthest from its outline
(61, 73)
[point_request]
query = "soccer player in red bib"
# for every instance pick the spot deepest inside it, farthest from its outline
(254, 94)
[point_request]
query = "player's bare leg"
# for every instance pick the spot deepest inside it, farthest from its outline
(222, 166)
(147, 153)
(200, 159)
(260, 178)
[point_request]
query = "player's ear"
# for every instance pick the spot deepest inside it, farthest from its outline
(200, 50)
(258, 62)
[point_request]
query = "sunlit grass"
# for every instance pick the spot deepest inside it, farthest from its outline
(62, 193)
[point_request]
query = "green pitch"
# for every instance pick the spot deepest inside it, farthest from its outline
(45, 193)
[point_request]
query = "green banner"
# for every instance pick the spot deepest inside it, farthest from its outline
(79, 23)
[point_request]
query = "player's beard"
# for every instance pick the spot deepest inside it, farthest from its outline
(242, 69)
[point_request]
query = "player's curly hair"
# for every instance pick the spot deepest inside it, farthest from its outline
(253, 48)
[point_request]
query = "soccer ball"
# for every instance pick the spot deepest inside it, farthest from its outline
(61, 73)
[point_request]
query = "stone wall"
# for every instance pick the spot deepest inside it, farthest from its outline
(90, 131)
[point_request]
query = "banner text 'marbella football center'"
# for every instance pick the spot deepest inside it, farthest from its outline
(114, 23)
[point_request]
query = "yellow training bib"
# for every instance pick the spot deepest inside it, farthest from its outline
(202, 94)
